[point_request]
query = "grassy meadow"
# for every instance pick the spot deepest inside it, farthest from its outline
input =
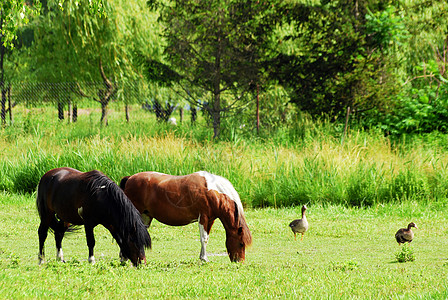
(358, 193)
(347, 253)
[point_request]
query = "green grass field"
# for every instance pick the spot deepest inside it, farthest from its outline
(358, 194)
(347, 253)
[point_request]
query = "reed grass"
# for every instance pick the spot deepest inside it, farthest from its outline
(312, 167)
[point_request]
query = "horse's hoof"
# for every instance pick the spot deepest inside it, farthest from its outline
(204, 259)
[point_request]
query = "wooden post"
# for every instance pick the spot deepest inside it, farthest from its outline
(258, 111)
(346, 125)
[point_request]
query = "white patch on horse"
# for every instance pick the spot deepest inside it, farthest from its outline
(204, 241)
(154, 172)
(41, 259)
(60, 255)
(91, 259)
(223, 186)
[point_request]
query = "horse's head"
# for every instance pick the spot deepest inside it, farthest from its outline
(133, 244)
(132, 252)
(236, 242)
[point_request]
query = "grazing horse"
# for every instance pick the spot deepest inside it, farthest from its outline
(181, 200)
(67, 197)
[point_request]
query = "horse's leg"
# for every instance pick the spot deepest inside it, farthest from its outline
(43, 232)
(90, 242)
(204, 230)
(59, 228)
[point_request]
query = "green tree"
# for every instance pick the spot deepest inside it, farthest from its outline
(216, 47)
(91, 47)
(329, 61)
(13, 14)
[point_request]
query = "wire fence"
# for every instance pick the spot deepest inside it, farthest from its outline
(72, 99)
(70, 96)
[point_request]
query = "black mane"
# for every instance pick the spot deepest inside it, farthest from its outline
(125, 217)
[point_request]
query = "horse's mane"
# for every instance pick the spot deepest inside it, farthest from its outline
(125, 216)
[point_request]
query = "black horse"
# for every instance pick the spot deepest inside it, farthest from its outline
(67, 197)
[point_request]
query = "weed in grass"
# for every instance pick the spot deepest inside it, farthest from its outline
(406, 254)
(344, 266)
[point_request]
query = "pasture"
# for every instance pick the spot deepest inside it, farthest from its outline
(358, 195)
(346, 253)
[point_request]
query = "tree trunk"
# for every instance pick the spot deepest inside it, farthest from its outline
(126, 111)
(69, 111)
(193, 115)
(105, 95)
(216, 115)
(60, 111)
(2, 83)
(103, 112)
(75, 113)
(10, 106)
(181, 115)
(3, 113)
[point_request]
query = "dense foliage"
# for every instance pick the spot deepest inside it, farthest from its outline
(385, 60)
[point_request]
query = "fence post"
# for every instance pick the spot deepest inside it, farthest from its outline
(258, 111)
(346, 125)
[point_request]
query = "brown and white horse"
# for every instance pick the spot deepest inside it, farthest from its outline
(199, 197)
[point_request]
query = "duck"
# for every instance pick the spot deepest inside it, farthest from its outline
(404, 235)
(299, 225)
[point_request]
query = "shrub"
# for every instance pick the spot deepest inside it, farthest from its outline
(406, 254)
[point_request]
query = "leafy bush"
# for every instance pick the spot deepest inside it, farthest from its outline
(406, 254)
(421, 110)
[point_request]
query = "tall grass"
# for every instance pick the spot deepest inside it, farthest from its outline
(286, 169)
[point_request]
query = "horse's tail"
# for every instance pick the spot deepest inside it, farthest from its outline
(123, 182)
(40, 200)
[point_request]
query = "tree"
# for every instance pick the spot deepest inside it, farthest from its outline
(13, 14)
(216, 47)
(330, 61)
(91, 48)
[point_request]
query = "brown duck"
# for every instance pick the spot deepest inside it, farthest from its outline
(299, 225)
(404, 235)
